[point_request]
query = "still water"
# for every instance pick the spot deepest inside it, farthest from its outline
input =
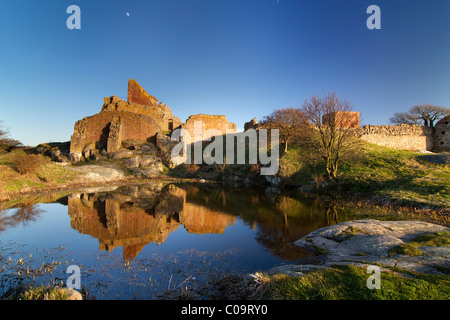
(147, 242)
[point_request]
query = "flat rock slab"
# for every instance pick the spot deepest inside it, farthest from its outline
(369, 242)
(99, 173)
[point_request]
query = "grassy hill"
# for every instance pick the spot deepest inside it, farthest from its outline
(402, 176)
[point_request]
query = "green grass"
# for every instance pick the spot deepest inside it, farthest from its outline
(400, 176)
(43, 293)
(350, 283)
(428, 240)
(47, 174)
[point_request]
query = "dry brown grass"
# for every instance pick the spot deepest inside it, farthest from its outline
(20, 173)
(27, 163)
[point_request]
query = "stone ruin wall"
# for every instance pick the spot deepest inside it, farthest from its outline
(136, 94)
(140, 118)
(218, 122)
(401, 137)
(107, 130)
(442, 135)
(161, 113)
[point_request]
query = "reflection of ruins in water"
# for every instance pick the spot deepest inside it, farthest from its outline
(132, 217)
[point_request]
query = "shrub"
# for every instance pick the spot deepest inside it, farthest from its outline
(27, 163)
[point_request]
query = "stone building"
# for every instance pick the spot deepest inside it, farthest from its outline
(442, 134)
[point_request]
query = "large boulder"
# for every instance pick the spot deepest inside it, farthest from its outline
(132, 162)
(121, 154)
(373, 241)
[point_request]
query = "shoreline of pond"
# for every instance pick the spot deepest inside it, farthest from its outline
(363, 200)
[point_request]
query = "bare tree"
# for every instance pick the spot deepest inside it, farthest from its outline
(405, 118)
(6, 143)
(289, 122)
(331, 134)
(426, 112)
(429, 113)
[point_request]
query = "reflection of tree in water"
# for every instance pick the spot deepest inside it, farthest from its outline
(278, 218)
(331, 215)
(296, 219)
(24, 214)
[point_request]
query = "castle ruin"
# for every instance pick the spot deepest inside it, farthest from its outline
(143, 122)
(140, 119)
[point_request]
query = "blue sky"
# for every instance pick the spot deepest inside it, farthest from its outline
(241, 58)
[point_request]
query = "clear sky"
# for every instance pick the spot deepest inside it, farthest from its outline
(241, 58)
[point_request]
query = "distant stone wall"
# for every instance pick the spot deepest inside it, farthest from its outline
(401, 137)
(218, 122)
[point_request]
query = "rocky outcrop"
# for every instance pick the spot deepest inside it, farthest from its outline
(165, 144)
(57, 151)
(363, 242)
